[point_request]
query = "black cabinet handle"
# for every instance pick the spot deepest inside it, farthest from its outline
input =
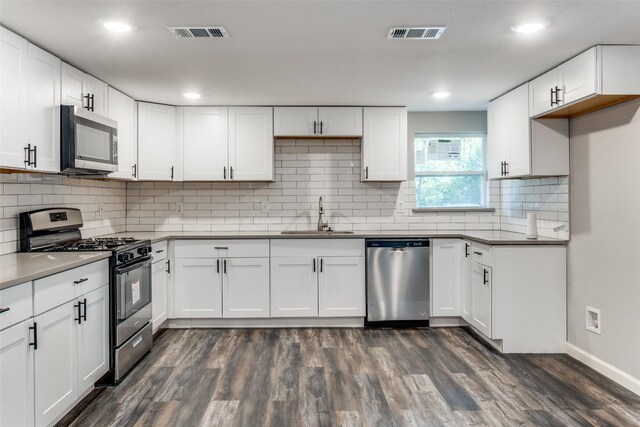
(84, 315)
(171, 172)
(134, 171)
(92, 102)
(4, 310)
(557, 97)
(366, 172)
(485, 273)
(79, 307)
(224, 266)
(506, 168)
(551, 96)
(224, 172)
(88, 98)
(321, 263)
(27, 155)
(314, 265)
(34, 344)
(77, 282)
(159, 251)
(225, 248)
(501, 168)
(314, 127)
(35, 156)
(466, 250)
(321, 123)
(231, 172)
(477, 253)
(218, 266)
(168, 270)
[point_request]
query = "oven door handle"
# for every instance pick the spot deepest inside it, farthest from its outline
(137, 264)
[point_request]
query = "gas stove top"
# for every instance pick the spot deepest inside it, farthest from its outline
(95, 244)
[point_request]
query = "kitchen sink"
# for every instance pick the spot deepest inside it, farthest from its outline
(316, 233)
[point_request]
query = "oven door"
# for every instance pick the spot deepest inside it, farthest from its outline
(133, 289)
(89, 141)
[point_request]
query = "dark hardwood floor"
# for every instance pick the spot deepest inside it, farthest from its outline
(360, 377)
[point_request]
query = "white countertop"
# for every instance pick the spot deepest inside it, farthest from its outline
(23, 267)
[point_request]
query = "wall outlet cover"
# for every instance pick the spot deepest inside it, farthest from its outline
(180, 208)
(594, 321)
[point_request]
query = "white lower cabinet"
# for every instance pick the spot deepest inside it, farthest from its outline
(341, 292)
(445, 277)
(93, 338)
(245, 287)
(294, 287)
(465, 281)
(56, 361)
(16, 375)
(159, 306)
(198, 288)
(481, 298)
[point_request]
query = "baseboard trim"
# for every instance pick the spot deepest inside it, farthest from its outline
(328, 322)
(447, 322)
(606, 369)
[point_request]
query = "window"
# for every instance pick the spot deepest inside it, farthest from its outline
(450, 170)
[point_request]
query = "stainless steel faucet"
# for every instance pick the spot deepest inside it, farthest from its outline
(322, 226)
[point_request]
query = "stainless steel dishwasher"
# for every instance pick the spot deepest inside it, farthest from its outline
(397, 281)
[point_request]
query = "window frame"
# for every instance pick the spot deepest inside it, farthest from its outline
(482, 173)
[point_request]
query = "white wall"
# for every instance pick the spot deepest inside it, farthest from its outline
(604, 252)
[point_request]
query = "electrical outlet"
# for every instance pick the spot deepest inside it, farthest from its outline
(180, 208)
(594, 321)
(100, 209)
(400, 208)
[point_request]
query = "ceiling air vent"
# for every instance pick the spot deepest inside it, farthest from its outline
(416, 33)
(199, 32)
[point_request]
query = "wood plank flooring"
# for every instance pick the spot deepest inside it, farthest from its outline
(354, 377)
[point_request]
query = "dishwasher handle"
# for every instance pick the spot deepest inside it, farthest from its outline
(398, 250)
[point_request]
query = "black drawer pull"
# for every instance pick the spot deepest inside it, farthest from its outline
(77, 282)
(477, 253)
(4, 310)
(159, 251)
(221, 247)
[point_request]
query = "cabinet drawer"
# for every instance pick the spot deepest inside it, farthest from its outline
(159, 251)
(481, 254)
(317, 247)
(59, 288)
(16, 304)
(222, 248)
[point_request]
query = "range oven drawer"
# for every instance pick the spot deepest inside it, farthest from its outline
(132, 324)
(131, 351)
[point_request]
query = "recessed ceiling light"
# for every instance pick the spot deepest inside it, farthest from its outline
(191, 95)
(441, 95)
(118, 27)
(529, 27)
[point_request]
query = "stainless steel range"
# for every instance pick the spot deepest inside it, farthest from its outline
(55, 230)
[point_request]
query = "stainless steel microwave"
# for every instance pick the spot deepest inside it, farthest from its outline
(89, 142)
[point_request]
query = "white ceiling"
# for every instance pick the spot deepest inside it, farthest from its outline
(320, 52)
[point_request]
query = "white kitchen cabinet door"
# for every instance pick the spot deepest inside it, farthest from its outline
(540, 95)
(99, 91)
(159, 303)
(43, 118)
(93, 338)
(56, 362)
(481, 298)
(13, 101)
(465, 281)
(294, 287)
(384, 144)
(340, 121)
(519, 160)
(497, 136)
(445, 283)
(122, 109)
(16, 376)
(156, 142)
(578, 77)
(198, 288)
(73, 86)
(245, 289)
(341, 288)
(251, 143)
(295, 121)
(205, 143)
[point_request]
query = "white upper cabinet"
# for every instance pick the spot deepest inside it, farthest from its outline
(205, 135)
(13, 102)
(251, 143)
(574, 87)
(295, 121)
(318, 121)
(157, 152)
(83, 90)
(384, 144)
(518, 146)
(43, 122)
(122, 109)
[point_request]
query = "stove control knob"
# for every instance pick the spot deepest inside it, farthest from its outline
(142, 250)
(123, 258)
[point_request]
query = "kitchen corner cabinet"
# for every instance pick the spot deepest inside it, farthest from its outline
(481, 298)
(84, 90)
(160, 270)
(311, 278)
(122, 109)
(519, 146)
(594, 79)
(446, 280)
(157, 143)
(384, 144)
(318, 121)
(465, 281)
(227, 143)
